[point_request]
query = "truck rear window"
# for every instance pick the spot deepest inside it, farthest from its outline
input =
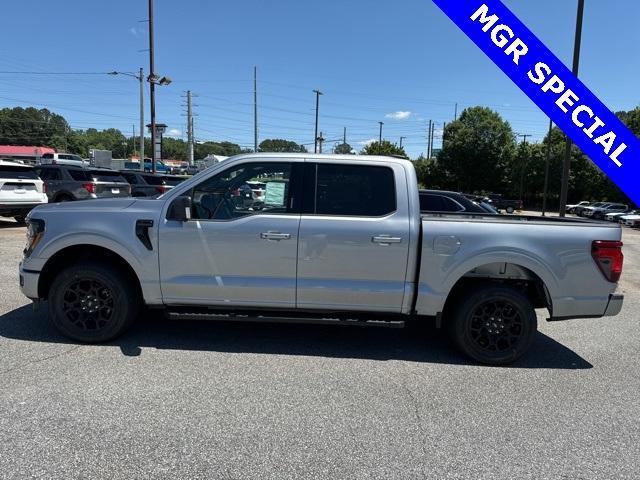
(8, 171)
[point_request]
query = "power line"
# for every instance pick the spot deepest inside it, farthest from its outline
(52, 73)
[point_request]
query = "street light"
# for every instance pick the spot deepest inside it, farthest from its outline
(140, 77)
(153, 79)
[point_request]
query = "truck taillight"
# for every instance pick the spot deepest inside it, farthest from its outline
(161, 189)
(608, 256)
(44, 187)
(89, 187)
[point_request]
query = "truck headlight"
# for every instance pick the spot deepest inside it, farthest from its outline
(35, 231)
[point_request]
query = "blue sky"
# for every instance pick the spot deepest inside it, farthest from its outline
(371, 60)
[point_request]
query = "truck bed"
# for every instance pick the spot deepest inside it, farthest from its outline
(553, 251)
(518, 219)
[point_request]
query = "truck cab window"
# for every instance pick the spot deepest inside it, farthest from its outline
(354, 190)
(232, 194)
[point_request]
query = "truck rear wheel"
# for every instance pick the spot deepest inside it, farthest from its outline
(510, 210)
(92, 302)
(494, 325)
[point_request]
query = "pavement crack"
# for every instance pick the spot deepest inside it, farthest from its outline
(416, 414)
(40, 360)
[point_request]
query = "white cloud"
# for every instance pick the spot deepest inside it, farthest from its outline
(174, 132)
(399, 115)
(133, 31)
(368, 142)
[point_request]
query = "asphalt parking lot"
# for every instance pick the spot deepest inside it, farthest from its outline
(219, 400)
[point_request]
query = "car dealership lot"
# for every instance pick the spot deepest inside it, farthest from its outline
(222, 400)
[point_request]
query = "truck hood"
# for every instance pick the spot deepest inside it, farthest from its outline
(97, 205)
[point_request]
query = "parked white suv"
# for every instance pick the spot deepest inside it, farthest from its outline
(63, 159)
(20, 190)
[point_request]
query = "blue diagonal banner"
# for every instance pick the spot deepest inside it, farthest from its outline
(552, 86)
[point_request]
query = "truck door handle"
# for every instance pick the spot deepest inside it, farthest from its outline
(385, 239)
(275, 236)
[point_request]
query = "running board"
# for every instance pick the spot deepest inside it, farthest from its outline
(230, 317)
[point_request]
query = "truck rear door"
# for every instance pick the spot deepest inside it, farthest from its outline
(354, 237)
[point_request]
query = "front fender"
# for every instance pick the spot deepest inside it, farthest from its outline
(143, 262)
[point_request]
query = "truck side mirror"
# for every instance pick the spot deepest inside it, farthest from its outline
(180, 209)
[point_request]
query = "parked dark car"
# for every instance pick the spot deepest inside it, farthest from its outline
(443, 201)
(66, 183)
(501, 203)
(144, 184)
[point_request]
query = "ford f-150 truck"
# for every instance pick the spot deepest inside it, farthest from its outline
(334, 239)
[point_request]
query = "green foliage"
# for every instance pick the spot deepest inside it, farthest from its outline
(477, 148)
(30, 126)
(631, 119)
(280, 145)
(343, 148)
(385, 148)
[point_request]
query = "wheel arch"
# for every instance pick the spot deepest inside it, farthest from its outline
(81, 253)
(530, 282)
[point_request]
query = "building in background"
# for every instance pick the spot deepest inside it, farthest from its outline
(28, 154)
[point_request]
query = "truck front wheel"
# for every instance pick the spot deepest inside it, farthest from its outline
(494, 325)
(92, 302)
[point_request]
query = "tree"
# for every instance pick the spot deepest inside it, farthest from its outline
(280, 145)
(30, 126)
(343, 148)
(385, 148)
(477, 148)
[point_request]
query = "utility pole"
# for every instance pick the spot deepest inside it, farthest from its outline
(401, 138)
(344, 136)
(524, 142)
(546, 170)
(566, 166)
(141, 147)
(189, 127)
(315, 148)
(320, 142)
(433, 131)
(444, 127)
(455, 114)
(429, 140)
(255, 109)
(152, 91)
(380, 136)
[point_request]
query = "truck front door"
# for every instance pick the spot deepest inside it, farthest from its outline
(237, 250)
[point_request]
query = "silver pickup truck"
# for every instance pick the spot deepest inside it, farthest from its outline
(332, 239)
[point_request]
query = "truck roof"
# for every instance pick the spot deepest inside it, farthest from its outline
(323, 156)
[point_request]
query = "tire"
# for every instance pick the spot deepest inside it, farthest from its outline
(489, 339)
(63, 198)
(510, 210)
(92, 302)
(21, 219)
